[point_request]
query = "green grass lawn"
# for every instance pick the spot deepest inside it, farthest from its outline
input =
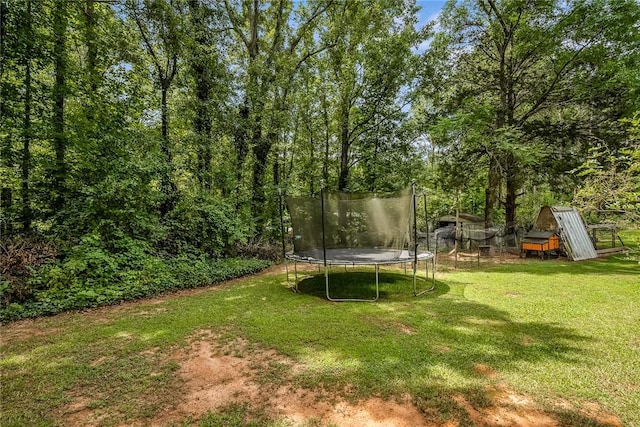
(565, 334)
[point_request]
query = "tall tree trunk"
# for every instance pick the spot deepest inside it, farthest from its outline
(344, 147)
(164, 55)
(312, 158)
(491, 192)
(511, 196)
(202, 126)
(261, 149)
(59, 97)
(92, 50)
(202, 121)
(4, 9)
(241, 145)
(26, 141)
(93, 130)
(373, 176)
(6, 149)
(327, 140)
(168, 186)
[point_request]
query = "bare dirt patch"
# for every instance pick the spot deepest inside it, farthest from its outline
(594, 410)
(217, 375)
(216, 371)
(509, 408)
(484, 370)
(405, 329)
(78, 412)
(25, 330)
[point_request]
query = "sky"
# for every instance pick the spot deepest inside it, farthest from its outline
(429, 10)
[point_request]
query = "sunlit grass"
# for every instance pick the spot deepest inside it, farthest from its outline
(553, 330)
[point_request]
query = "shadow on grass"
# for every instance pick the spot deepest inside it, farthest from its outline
(443, 328)
(440, 346)
(362, 284)
(436, 347)
(607, 266)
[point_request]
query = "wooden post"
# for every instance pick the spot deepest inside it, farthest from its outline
(455, 245)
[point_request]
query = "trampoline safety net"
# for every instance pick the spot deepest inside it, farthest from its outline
(354, 223)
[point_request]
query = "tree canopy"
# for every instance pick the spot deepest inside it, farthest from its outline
(180, 123)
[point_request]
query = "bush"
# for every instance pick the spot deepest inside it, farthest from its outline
(203, 223)
(93, 276)
(262, 250)
(19, 260)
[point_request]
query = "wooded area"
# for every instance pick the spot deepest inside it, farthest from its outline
(164, 127)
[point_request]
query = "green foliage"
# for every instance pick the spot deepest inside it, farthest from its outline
(518, 91)
(204, 223)
(611, 179)
(146, 127)
(97, 273)
(531, 202)
(525, 326)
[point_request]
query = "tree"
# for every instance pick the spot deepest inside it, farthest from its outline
(23, 103)
(60, 88)
(273, 52)
(517, 61)
(209, 75)
(160, 23)
(370, 62)
(612, 178)
(25, 165)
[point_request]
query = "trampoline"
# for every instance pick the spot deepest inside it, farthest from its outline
(355, 229)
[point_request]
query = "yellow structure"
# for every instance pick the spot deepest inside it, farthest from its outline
(541, 242)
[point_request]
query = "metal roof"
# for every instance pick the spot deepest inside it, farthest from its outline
(464, 217)
(573, 233)
(539, 234)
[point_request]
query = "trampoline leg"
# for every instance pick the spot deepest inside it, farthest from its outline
(295, 273)
(286, 268)
(377, 282)
(433, 281)
(326, 281)
(433, 273)
(415, 268)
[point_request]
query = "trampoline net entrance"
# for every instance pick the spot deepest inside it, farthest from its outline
(354, 229)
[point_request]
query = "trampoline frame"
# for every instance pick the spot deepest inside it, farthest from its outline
(426, 257)
(411, 256)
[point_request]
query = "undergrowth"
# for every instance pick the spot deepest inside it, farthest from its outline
(92, 276)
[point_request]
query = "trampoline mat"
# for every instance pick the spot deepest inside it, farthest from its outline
(357, 256)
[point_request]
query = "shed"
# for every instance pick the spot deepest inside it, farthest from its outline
(469, 223)
(470, 226)
(466, 221)
(567, 222)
